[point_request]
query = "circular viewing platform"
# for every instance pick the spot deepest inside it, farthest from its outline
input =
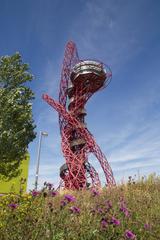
(89, 74)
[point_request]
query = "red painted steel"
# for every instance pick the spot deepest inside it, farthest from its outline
(70, 59)
(77, 141)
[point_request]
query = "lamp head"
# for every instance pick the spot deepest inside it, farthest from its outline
(44, 134)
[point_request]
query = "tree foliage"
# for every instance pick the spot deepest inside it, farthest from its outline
(16, 123)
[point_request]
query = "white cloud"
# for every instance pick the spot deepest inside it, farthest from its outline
(108, 32)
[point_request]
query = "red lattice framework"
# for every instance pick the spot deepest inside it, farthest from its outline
(77, 169)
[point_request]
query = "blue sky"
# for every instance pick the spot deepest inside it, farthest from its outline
(124, 117)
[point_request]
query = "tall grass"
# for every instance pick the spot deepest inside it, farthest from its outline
(128, 211)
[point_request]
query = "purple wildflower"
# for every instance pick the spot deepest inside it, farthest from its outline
(115, 221)
(122, 205)
(147, 226)
(126, 213)
(104, 223)
(109, 204)
(54, 193)
(124, 209)
(69, 198)
(63, 203)
(100, 210)
(95, 192)
(49, 185)
(13, 205)
(35, 193)
(130, 235)
(122, 200)
(75, 209)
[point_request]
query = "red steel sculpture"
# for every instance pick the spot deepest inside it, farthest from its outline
(79, 80)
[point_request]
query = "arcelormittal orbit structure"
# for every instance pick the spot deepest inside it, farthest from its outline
(80, 79)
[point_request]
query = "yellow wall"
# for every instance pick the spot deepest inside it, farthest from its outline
(14, 184)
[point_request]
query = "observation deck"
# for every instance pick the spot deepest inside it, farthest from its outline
(89, 74)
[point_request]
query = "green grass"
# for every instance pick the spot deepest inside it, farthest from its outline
(103, 214)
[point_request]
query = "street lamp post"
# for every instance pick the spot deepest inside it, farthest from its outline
(45, 134)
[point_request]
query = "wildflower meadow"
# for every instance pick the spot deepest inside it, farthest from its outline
(127, 211)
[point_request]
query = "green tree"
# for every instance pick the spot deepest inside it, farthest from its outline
(16, 123)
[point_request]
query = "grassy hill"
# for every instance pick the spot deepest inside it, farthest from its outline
(128, 211)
